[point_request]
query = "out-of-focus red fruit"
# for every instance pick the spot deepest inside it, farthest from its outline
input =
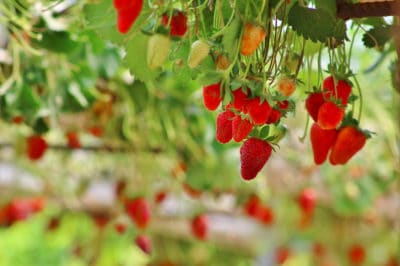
(120, 228)
(160, 196)
(266, 215)
(36, 147)
(96, 131)
(318, 249)
(200, 227)
(53, 223)
(307, 199)
(73, 140)
(138, 210)
(191, 191)
(144, 243)
(18, 119)
(356, 254)
(282, 254)
(253, 206)
(100, 219)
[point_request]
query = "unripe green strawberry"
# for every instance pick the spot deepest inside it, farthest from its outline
(158, 50)
(254, 154)
(198, 52)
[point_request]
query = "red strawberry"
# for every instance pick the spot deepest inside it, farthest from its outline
(199, 226)
(18, 119)
(224, 126)
(160, 196)
(73, 140)
(282, 254)
(53, 223)
(313, 103)
(330, 115)
(36, 147)
(100, 219)
(22, 208)
(274, 116)
(318, 249)
(252, 37)
(253, 206)
(283, 105)
(356, 254)
(306, 200)
(178, 23)
(120, 228)
(240, 128)
(127, 15)
(342, 90)
(122, 4)
(144, 243)
(239, 99)
(258, 111)
(254, 153)
(212, 96)
(348, 142)
(321, 140)
(265, 215)
(139, 211)
(96, 131)
(286, 86)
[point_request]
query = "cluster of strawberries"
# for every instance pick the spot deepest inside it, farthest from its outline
(238, 119)
(330, 132)
(20, 209)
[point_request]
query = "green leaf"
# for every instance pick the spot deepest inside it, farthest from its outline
(57, 41)
(315, 24)
(136, 58)
(377, 36)
(24, 100)
(328, 5)
(230, 38)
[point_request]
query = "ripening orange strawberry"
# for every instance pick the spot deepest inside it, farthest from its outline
(253, 36)
(286, 86)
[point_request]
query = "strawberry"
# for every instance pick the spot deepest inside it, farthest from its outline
(100, 219)
(318, 249)
(330, 115)
(348, 142)
(198, 52)
(127, 14)
(120, 228)
(36, 147)
(240, 128)
(212, 96)
(144, 243)
(252, 37)
(22, 208)
(254, 153)
(122, 4)
(199, 226)
(313, 103)
(222, 62)
(258, 111)
(239, 99)
(178, 23)
(265, 215)
(356, 254)
(73, 140)
(18, 119)
(342, 90)
(274, 116)
(138, 210)
(96, 131)
(306, 200)
(158, 49)
(282, 254)
(53, 223)
(253, 206)
(283, 105)
(286, 86)
(160, 196)
(224, 126)
(322, 141)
